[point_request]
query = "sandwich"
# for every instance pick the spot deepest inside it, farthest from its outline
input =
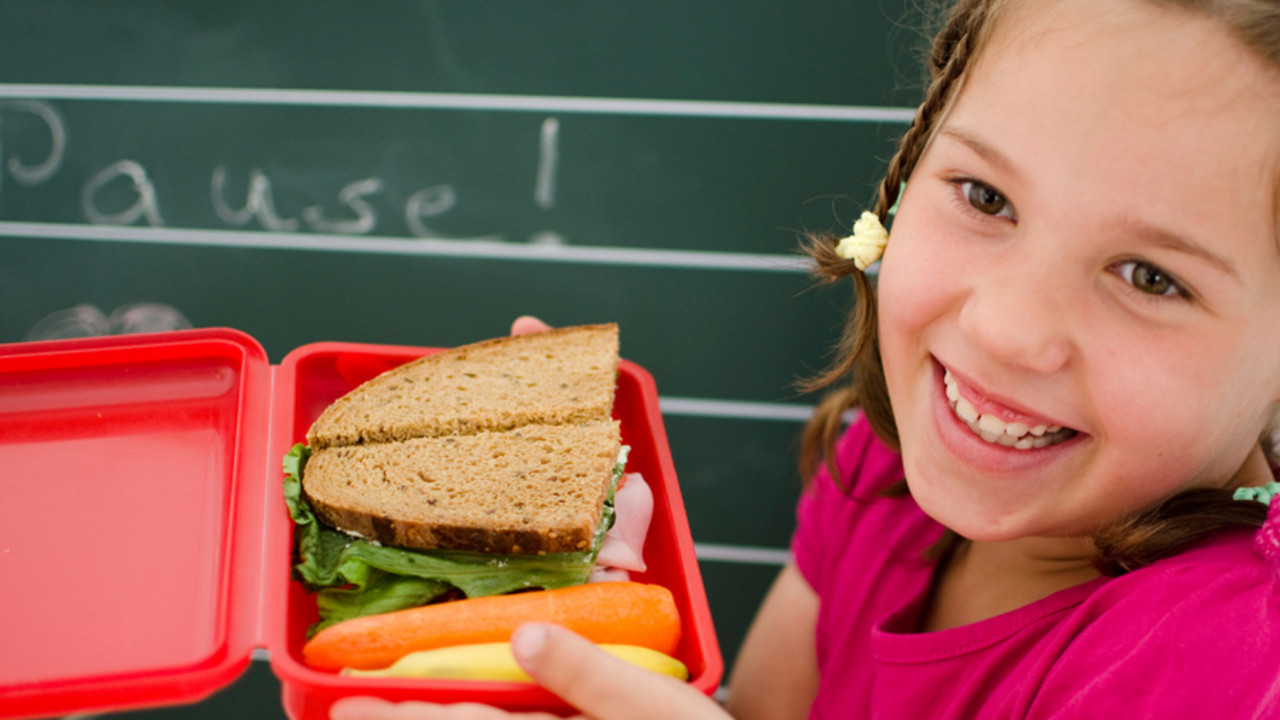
(480, 470)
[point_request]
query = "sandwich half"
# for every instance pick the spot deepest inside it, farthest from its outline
(478, 470)
(534, 489)
(556, 377)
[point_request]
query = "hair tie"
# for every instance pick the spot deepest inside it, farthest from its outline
(866, 244)
(1262, 494)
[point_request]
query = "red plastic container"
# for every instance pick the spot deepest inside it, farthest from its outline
(145, 545)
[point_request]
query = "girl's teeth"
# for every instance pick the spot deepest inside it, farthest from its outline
(994, 430)
(993, 424)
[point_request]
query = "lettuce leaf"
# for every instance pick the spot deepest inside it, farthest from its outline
(355, 577)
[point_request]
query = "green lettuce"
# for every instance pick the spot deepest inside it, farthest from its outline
(354, 577)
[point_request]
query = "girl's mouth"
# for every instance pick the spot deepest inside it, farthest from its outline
(992, 429)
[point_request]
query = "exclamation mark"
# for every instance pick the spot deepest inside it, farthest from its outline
(544, 192)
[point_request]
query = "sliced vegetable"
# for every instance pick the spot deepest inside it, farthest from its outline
(626, 613)
(494, 661)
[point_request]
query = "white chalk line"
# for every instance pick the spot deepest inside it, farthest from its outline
(735, 409)
(743, 554)
(443, 247)
(460, 101)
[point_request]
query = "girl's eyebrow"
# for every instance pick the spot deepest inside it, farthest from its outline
(1160, 237)
(984, 150)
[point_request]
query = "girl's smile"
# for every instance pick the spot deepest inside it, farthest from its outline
(1057, 286)
(982, 443)
(999, 423)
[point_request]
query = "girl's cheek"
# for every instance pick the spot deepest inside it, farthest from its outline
(913, 277)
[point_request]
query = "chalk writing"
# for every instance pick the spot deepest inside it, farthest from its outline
(356, 211)
(87, 320)
(145, 204)
(544, 192)
(259, 204)
(43, 170)
(353, 196)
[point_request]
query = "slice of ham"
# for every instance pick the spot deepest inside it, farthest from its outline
(623, 548)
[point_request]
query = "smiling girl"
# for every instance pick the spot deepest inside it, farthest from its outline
(1053, 502)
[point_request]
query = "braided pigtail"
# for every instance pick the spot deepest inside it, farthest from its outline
(857, 355)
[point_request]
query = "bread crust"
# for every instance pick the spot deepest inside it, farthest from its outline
(563, 375)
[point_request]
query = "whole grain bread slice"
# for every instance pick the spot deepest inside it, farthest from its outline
(564, 375)
(530, 490)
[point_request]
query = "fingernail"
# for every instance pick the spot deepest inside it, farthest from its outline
(528, 640)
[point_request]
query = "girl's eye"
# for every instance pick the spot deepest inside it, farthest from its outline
(985, 199)
(1148, 278)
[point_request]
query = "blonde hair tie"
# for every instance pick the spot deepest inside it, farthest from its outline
(866, 244)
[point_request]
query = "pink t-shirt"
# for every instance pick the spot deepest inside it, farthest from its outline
(1193, 636)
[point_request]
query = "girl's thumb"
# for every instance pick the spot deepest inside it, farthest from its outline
(600, 685)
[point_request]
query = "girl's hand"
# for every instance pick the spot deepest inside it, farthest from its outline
(599, 685)
(526, 324)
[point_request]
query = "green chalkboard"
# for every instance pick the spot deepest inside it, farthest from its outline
(420, 172)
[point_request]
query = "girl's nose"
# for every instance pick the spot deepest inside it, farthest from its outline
(1020, 315)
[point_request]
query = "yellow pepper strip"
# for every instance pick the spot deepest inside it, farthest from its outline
(494, 661)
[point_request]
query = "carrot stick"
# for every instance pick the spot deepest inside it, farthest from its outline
(626, 613)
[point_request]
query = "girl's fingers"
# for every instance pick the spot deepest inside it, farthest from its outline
(369, 708)
(599, 685)
(602, 686)
(363, 708)
(526, 324)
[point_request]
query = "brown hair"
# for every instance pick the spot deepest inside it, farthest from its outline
(857, 375)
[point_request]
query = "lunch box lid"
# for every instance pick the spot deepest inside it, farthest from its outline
(144, 540)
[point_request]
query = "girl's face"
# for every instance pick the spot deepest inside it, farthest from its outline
(1086, 261)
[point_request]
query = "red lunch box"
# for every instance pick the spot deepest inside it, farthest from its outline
(145, 545)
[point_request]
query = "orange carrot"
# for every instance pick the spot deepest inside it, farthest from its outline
(626, 613)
